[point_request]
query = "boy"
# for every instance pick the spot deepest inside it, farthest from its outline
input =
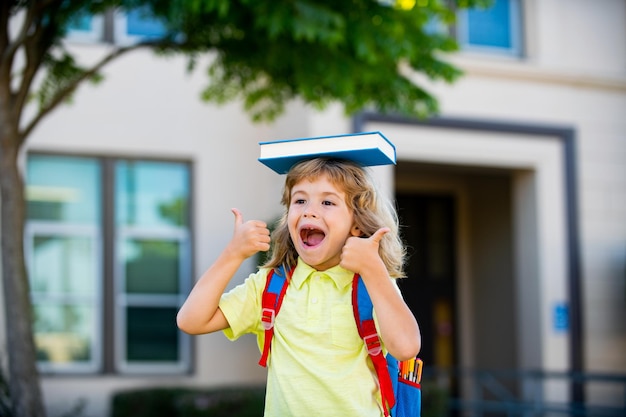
(336, 224)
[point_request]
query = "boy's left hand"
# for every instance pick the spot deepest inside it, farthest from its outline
(361, 254)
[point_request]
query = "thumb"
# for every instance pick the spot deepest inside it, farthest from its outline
(238, 217)
(378, 236)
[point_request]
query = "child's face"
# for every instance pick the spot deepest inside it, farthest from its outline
(319, 222)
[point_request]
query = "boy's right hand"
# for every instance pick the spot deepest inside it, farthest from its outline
(249, 237)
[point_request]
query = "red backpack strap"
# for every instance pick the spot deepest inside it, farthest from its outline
(275, 288)
(364, 317)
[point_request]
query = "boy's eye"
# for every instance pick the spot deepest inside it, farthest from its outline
(298, 201)
(327, 203)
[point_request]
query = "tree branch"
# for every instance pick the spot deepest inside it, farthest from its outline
(5, 68)
(65, 92)
(5, 11)
(34, 56)
(33, 12)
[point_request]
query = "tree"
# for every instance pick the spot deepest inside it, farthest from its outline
(266, 53)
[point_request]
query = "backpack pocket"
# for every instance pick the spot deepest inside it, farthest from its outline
(406, 389)
(408, 399)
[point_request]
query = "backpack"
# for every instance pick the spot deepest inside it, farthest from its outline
(399, 382)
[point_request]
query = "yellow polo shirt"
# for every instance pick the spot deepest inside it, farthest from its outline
(318, 364)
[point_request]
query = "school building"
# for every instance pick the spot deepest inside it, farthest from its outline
(513, 202)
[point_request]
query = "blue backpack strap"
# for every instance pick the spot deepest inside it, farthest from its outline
(364, 316)
(272, 298)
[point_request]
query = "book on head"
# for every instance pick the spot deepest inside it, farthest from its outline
(364, 148)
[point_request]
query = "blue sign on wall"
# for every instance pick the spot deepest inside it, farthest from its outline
(561, 317)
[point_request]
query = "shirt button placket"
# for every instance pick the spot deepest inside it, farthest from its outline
(314, 299)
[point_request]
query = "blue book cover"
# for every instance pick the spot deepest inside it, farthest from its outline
(364, 148)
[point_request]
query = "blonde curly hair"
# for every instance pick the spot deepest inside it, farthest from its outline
(370, 209)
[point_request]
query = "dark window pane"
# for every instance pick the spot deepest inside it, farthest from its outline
(152, 334)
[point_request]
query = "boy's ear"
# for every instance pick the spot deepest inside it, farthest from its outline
(355, 231)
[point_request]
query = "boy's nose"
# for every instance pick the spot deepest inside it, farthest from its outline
(309, 213)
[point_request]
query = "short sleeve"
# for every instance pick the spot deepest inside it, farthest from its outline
(242, 306)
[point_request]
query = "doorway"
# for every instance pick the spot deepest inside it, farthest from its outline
(428, 228)
(457, 223)
(514, 186)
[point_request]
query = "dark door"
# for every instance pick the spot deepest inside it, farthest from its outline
(428, 229)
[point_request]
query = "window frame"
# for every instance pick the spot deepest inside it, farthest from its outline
(109, 27)
(124, 300)
(36, 228)
(109, 347)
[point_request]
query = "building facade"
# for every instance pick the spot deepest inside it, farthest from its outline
(513, 202)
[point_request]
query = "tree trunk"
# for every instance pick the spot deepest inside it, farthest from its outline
(25, 391)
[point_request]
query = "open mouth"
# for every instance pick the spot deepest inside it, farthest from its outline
(311, 236)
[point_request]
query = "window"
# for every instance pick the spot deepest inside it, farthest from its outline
(496, 30)
(86, 28)
(152, 260)
(109, 256)
(137, 25)
(119, 27)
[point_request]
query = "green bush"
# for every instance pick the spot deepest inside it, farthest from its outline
(229, 402)
(182, 402)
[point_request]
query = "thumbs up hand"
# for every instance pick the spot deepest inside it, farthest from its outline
(361, 254)
(249, 237)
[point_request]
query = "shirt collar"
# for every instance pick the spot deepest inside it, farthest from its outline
(340, 276)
